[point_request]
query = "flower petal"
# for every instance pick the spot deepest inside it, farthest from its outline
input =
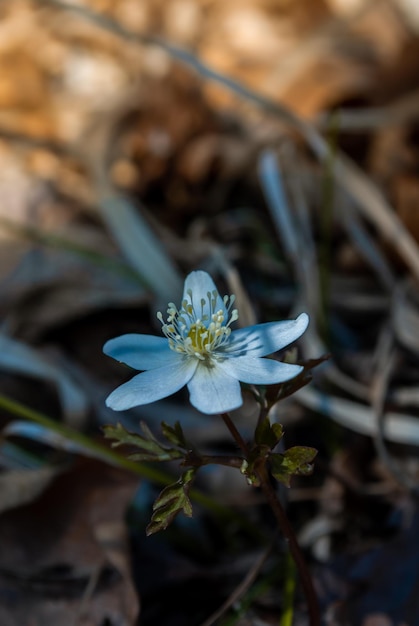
(152, 385)
(201, 283)
(213, 391)
(264, 339)
(256, 371)
(142, 352)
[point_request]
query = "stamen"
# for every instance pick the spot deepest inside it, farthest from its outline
(195, 333)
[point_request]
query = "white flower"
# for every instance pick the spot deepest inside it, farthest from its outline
(201, 351)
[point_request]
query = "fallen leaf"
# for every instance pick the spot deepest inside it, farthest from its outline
(65, 558)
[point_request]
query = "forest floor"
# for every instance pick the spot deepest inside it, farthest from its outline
(275, 145)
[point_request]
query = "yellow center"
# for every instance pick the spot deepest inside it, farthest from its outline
(201, 338)
(200, 334)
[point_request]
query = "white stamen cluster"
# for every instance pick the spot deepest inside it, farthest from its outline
(195, 333)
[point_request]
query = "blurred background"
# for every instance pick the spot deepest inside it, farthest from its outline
(275, 145)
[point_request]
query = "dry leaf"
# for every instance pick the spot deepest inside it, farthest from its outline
(64, 558)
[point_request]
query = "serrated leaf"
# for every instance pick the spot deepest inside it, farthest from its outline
(174, 434)
(267, 434)
(121, 436)
(294, 461)
(150, 437)
(150, 448)
(171, 501)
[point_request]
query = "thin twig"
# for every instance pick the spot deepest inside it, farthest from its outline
(227, 461)
(241, 589)
(87, 595)
(385, 369)
(402, 111)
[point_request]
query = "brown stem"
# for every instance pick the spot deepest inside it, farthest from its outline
(237, 436)
(193, 460)
(284, 525)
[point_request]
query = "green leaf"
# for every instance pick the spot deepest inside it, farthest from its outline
(299, 456)
(175, 435)
(171, 501)
(294, 461)
(150, 448)
(268, 434)
(277, 432)
(122, 436)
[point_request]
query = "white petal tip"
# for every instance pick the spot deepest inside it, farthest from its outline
(303, 320)
(113, 405)
(118, 401)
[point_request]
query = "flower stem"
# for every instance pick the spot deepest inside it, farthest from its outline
(284, 525)
(237, 436)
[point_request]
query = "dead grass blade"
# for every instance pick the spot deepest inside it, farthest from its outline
(19, 358)
(398, 427)
(21, 486)
(405, 318)
(368, 248)
(141, 247)
(366, 196)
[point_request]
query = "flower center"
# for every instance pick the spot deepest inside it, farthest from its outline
(199, 333)
(200, 337)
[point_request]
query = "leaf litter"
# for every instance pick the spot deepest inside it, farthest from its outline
(274, 145)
